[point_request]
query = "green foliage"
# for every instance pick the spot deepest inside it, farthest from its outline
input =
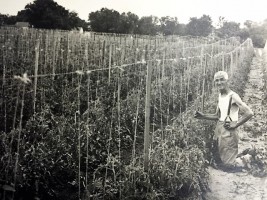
(177, 163)
(105, 20)
(258, 41)
(47, 156)
(199, 26)
(148, 25)
(111, 21)
(7, 19)
(258, 34)
(170, 26)
(177, 170)
(229, 29)
(257, 164)
(240, 75)
(49, 15)
(128, 23)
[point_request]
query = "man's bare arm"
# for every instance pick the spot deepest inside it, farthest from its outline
(200, 115)
(247, 112)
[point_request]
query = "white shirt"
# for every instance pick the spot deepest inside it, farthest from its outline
(223, 105)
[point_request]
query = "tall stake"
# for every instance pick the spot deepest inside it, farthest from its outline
(109, 63)
(137, 112)
(3, 91)
(88, 131)
(136, 123)
(13, 128)
(54, 57)
(147, 113)
(79, 136)
(119, 112)
(25, 80)
(203, 83)
(223, 67)
(231, 64)
(119, 122)
(36, 73)
(160, 87)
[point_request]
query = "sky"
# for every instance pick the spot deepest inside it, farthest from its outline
(232, 10)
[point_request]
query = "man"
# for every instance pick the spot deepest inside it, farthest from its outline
(227, 115)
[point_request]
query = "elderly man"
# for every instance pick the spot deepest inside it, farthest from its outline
(226, 113)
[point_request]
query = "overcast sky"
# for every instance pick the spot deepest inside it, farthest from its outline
(232, 10)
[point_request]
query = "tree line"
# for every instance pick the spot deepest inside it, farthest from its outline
(48, 14)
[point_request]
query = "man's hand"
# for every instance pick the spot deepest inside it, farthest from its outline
(198, 115)
(230, 125)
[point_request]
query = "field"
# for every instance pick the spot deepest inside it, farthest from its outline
(103, 116)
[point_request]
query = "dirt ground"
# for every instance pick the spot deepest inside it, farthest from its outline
(243, 185)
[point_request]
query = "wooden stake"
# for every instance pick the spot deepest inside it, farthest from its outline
(223, 67)
(3, 91)
(231, 64)
(79, 136)
(19, 134)
(36, 73)
(54, 57)
(109, 63)
(147, 113)
(88, 131)
(203, 84)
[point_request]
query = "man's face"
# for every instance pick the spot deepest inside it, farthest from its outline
(220, 82)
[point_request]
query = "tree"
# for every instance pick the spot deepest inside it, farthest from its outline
(199, 27)
(128, 23)
(75, 21)
(243, 34)
(7, 19)
(248, 23)
(258, 33)
(148, 25)
(49, 15)
(181, 29)
(169, 25)
(220, 22)
(229, 29)
(105, 20)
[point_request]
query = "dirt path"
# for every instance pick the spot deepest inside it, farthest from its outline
(242, 185)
